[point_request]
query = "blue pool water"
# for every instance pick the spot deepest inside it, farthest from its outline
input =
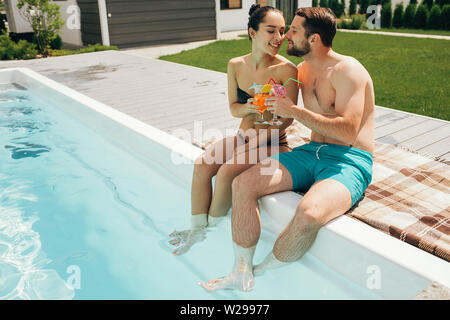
(80, 218)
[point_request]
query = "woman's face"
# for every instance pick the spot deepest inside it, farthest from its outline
(270, 35)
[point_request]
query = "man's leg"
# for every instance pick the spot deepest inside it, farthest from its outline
(246, 224)
(325, 200)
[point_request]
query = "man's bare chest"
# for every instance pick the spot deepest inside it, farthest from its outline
(318, 94)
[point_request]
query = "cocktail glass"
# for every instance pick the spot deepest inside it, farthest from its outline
(279, 91)
(261, 107)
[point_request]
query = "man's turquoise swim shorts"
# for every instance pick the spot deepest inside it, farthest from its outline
(315, 161)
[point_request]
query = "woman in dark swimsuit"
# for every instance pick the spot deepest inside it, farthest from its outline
(230, 156)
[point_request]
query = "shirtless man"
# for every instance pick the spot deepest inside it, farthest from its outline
(334, 169)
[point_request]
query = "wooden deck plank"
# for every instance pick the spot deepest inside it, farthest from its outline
(411, 132)
(438, 148)
(387, 129)
(388, 118)
(428, 138)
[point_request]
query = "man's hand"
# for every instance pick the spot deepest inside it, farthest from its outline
(282, 106)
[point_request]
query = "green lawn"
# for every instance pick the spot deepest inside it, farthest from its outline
(409, 74)
(416, 31)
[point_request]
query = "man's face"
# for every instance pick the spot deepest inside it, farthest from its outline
(298, 44)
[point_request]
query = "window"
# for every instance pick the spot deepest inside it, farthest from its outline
(230, 4)
(262, 3)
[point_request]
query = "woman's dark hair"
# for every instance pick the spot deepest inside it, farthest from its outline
(257, 15)
(319, 20)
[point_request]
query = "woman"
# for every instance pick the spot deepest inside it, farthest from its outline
(223, 159)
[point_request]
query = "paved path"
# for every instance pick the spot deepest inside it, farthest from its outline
(172, 96)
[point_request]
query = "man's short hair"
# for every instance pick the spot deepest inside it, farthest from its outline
(319, 20)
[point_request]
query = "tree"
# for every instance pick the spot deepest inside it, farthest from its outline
(45, 20)
(421, 16)
(332, 5)
(352, 7)
(323, 3)
(412, 1)
(397, 21)
(386, 15)
(408, 16)
(315, 3)
(340, 9)
(429, 3)
(446, 16)
(435, 18)
(363, 6)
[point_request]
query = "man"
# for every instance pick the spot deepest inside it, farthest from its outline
(334, 169)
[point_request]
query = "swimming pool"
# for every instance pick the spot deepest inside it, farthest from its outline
(87, 203)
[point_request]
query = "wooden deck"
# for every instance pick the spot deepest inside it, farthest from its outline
(171, 96)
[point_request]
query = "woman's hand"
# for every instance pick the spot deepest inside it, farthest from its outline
(251, 107)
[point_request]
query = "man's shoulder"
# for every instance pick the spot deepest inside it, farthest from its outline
(349, 67)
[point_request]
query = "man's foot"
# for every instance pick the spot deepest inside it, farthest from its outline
(185, 239)
(235, 280)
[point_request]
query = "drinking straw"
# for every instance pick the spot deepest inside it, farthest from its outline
(290, 80)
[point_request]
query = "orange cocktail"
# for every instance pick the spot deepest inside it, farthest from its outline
(260, 100)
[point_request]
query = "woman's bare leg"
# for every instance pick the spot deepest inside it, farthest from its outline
(221, 201)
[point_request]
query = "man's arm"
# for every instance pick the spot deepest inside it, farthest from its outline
(344, 126)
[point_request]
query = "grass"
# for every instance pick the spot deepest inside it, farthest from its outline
(415, 31)
(90, 48)
(409, 74)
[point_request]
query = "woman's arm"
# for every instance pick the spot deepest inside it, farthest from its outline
(237, 109)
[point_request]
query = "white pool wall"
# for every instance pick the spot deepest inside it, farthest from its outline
(350, 247)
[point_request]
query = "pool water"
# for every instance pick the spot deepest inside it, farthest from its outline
(80, 218)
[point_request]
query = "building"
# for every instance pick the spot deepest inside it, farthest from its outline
(133, 23)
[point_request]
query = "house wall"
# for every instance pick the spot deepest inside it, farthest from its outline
(70, 13)
(136, 22)
(237, 19)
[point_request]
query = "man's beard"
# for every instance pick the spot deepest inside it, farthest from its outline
(299, 52)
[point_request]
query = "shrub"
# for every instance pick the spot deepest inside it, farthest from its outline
(315, 3)
(56, 43)
(354, 23)
(357, 22)
(352, 7)
(446, 16)
(386, 15)
(397, 20)
(442, 3)
(408, 16)
(9, 50)
(421, 16)
(412, 1)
